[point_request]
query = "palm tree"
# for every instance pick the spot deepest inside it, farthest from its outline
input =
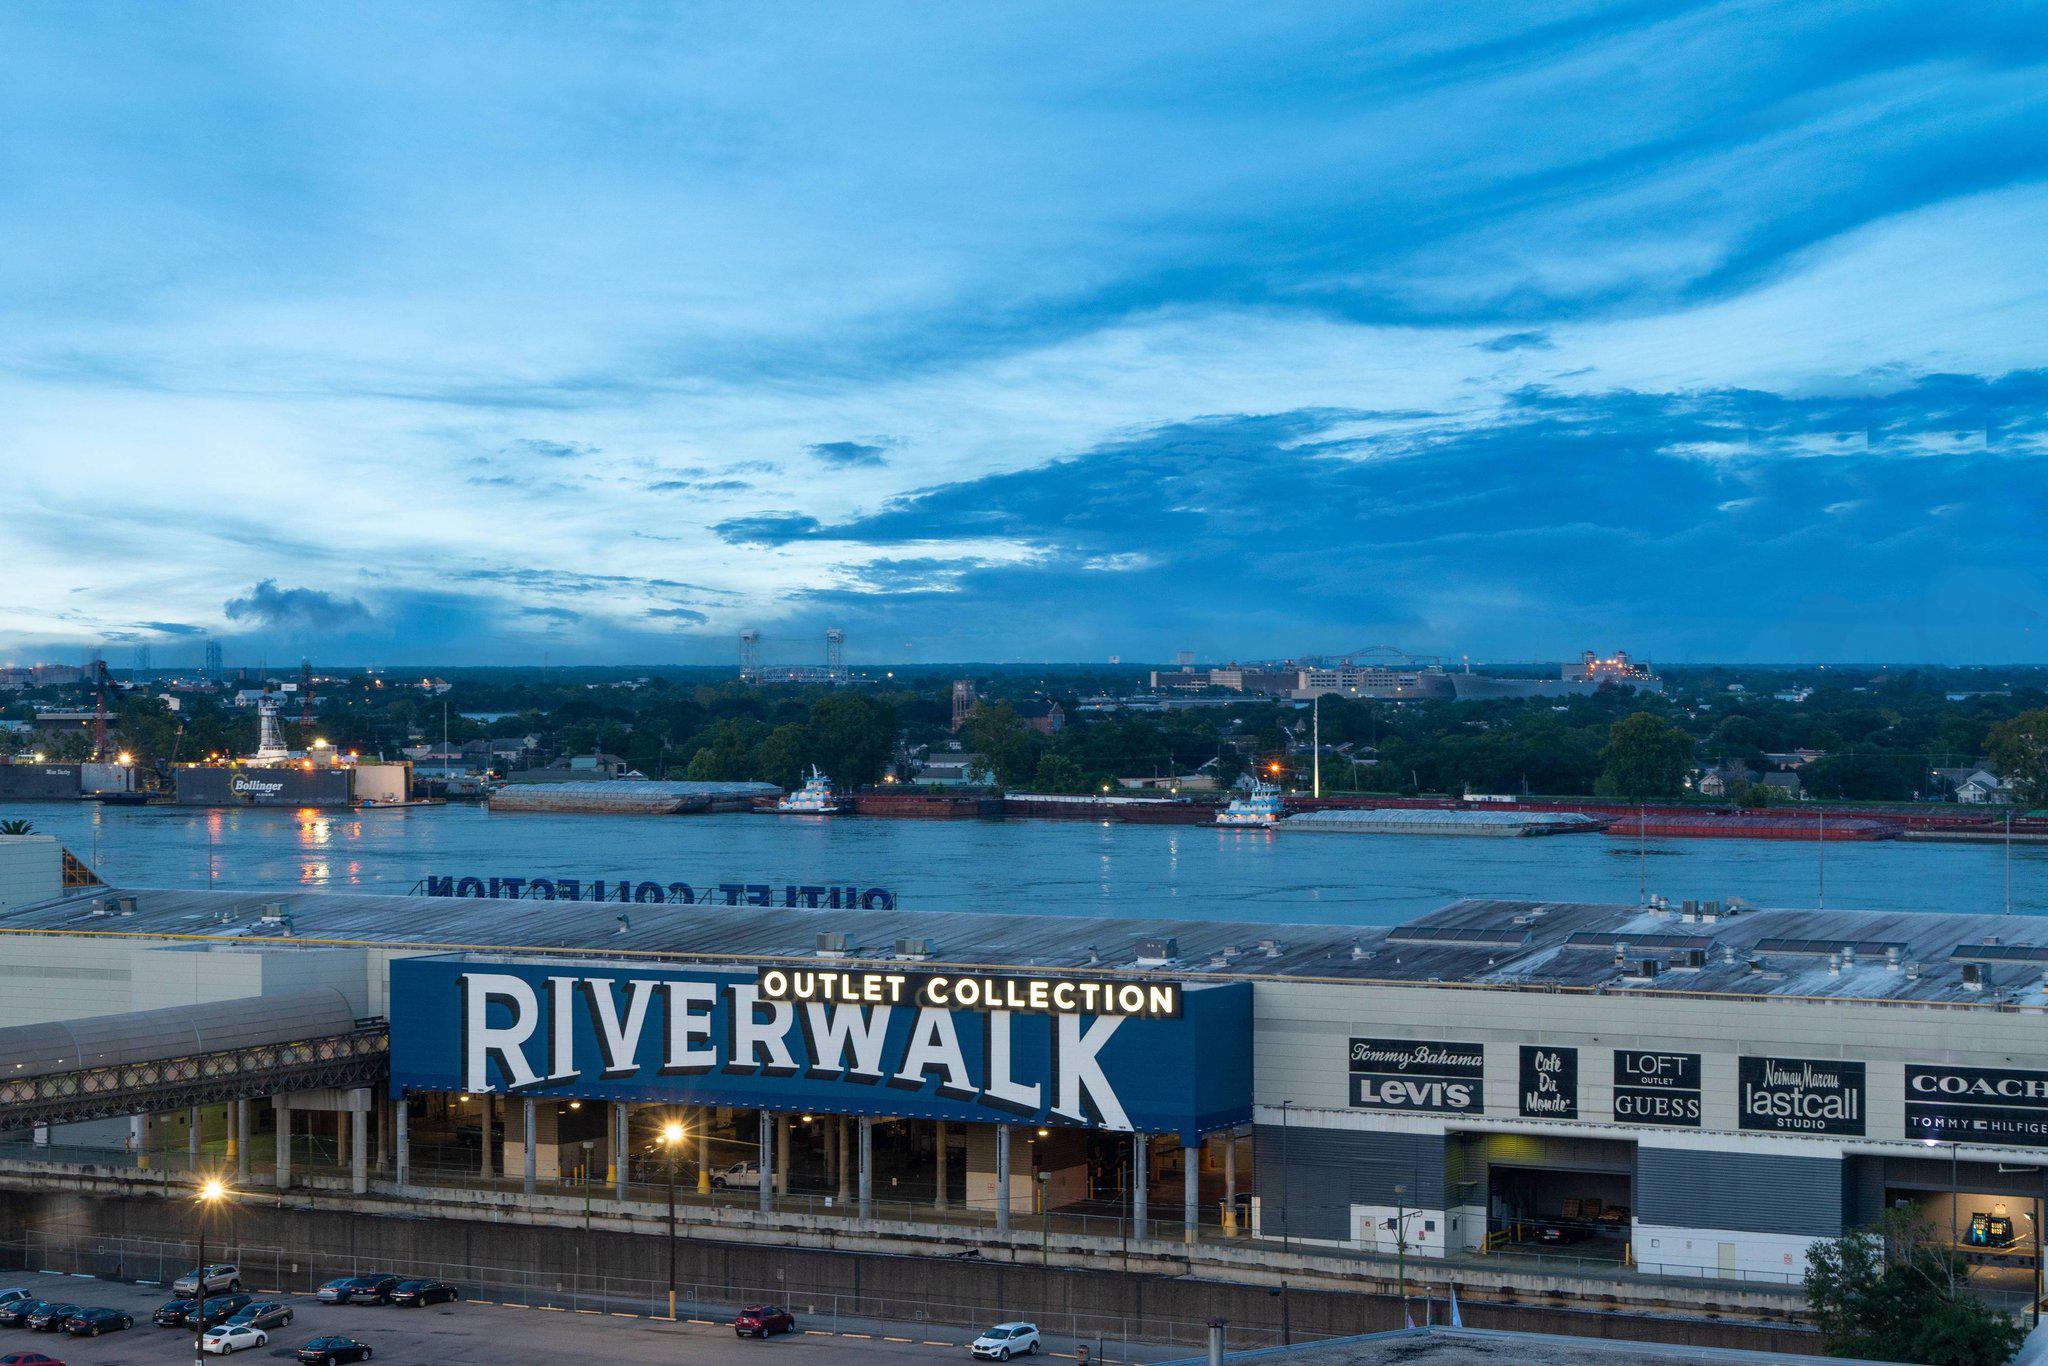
(16, 828)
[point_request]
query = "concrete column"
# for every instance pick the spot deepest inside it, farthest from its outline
(243, 1124)
(283, 1104)
(1002, 1178)
(764, 1153)
(138, 1139)
(529, 1144)
(1191, 1189)
(490, 1110)
(842, 1140)
(939, 1165)
(867, 1168)
(1230, 1182)
(1141, 1183)
(622, 1162)
(234, 1132)
(341, 1144)
(782, 1154)
(359, 1142)
(830, 1145)
(193, 1132)
(402, 1141)
(704, 1152)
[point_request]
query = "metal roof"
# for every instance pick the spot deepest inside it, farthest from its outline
(174, 1032)
(1482, 942)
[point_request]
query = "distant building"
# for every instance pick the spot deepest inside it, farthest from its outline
(949, 768)
(1975, 785)
(964, 702)
(1045, 717)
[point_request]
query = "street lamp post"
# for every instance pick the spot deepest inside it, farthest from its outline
(210, 1194)
(672, 1139)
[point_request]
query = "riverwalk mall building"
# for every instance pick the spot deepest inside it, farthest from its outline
(1674, 1093)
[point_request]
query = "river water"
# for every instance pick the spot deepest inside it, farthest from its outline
(1051, 867)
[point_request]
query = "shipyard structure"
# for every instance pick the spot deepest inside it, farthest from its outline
(1684, 1098)
(319, 776)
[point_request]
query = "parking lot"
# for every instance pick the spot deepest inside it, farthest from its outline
(475, 1331)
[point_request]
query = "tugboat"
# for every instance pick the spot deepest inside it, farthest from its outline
(1259, 808)
(814, 798)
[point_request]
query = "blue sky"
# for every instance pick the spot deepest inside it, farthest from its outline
(416, 333)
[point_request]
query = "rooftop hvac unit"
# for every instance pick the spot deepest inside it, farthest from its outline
(835, 944)
(916, 950)
(1270, 947)
(1643, 970)
(124, 905)
(1973, 977)
(1156, 953)
(1695, 958)
(273, 913)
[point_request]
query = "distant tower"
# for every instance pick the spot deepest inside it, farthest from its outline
(143, 666)
(750, 656)
(964, 700)
(306, 698)
(1186, 659)
(213, 669)
(835, 654)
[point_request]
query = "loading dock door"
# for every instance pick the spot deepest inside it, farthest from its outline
(1549, 1209)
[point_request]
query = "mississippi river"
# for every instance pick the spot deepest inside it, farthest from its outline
(1047, 867)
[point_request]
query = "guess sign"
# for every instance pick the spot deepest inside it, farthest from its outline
(1421, 1076)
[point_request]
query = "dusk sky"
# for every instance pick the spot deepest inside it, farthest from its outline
(467, 334)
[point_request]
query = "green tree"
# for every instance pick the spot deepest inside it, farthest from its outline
(2019, 754)
(1646, 758)
(1056, 773)
(851, 737)
(999, 736)
(1893, 1293)
(727, 752)
(780, 757)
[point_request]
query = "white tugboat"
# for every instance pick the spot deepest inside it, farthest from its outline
(814, 798)
(1258, 808)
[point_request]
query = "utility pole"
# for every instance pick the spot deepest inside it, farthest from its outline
(1316, 734)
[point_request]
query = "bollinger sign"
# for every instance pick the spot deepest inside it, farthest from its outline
(933, 1046)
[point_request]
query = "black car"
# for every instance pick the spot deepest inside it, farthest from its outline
(425, 1292)
(221, 1308)
(370, 1289)
(173, 1313)
(330, 1351)
(1557, 1235)
(90, 1323)
(51, 1318)
(14, 1314)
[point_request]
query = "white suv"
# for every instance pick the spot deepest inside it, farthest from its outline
(219, 1276)
(1006, 1340)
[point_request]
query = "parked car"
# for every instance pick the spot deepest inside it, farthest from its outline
(1557, 1235)
(264, 1314)
(1006, 1340)
(172, 1313)
(13, 1293)
(412, 1293)
(763, 1320)
(51, 1318)
(219, 1276)
(739, 1176)
(29, 1359)
(90, 1323)
(371, 1289)
(230, 1338)
(331, 1351)
(334, 1291)
(219, 1309)
(14, 1314)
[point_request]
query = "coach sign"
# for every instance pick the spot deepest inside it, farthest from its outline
(2005, 1105)
(708, 1037)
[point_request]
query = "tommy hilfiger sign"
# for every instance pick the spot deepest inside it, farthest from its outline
(1425, 1076)
(2005, 1105)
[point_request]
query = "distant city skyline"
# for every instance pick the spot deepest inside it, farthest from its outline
(447, 335)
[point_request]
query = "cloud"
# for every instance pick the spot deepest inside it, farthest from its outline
(266, 604)
(551, 450)
(699, 486)
(1518, 341)
(172, 628)
(768, 526)
(687, 614)
(849, 453)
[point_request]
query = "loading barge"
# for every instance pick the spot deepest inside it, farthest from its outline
(1484, 824)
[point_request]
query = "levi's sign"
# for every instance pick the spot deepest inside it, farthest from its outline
(786, 1039)
(1419, 1075)
(1980, 1104)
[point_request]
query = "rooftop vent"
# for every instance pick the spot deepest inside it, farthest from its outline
(915, 950)
(1270, 947)
(834, 944)
(1359, 950)
(1157, 953)
(124, 905)
(1912, 971)
(1891, 957)
(273, 913)
(1093, 956)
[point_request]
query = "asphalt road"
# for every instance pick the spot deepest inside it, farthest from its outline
(478, 1331)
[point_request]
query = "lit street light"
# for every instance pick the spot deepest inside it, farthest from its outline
(672, 1139)
(211, 1192)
